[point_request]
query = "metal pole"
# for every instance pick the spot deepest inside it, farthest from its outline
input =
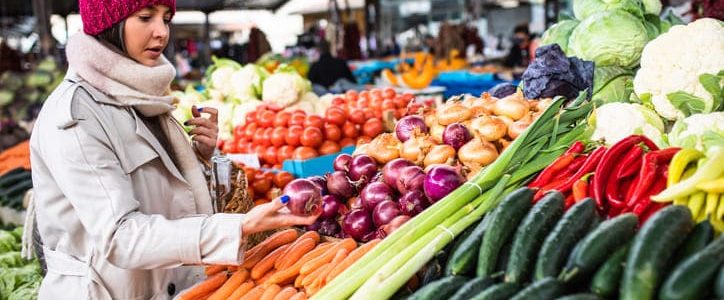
(207, 41)
(42, 15)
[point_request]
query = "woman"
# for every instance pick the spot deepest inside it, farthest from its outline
(122, 206)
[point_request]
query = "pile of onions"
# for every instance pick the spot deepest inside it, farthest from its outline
(512, 107)
(338, 184)
(358, 224)
(476, 154)
(410, 126)
(384, 212)
(453, 113)
(341, 162)
(375, 193)
(440, 154)
(362, 167)
(384, 148)
(391, 170)
(489, 128)
(411, 178)
(305, 197)
(413, 202)
(456, 135)
(415, 149)
(440, 181)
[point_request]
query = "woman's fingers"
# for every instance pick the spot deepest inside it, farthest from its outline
(201, 122)
(205, 131)
(213, 113)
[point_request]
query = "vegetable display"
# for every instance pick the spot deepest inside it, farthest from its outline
(14, 184)
(264, 185)
(19, 278)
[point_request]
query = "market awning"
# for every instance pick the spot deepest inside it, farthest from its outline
(316, 6)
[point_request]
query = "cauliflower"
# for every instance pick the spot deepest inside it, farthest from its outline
(681, 70)
(246, 83)
(284, 87)
(615, 121)
(218, 75)
(699, 131)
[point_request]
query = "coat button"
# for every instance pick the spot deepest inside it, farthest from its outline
(171, 289)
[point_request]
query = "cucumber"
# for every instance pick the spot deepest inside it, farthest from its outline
(462, 260)
(693, 278)
(530, 235)
(582, 296)
(652, 249)
(607, 279)
(501, 291)
(472, 288)
(439, 289)
(503, 258)
(18, 188)
(433, 270)
(595, 247)
(574, 225)
(13, 176)
(504, 220)
(544, 289)
(697, 240)
(719, 284)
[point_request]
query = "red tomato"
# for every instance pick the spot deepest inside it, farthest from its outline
(285, 152)
(238, 132)
(339, 102)
(259, 151)
(332, 132)
(347, 142)
(270, 155)
(388, 93)
(297, 119)
(249, 130)
(376, 102)
(261, 184)
(328, 147)
(299, 111)
(351, 95)
(267, 136)
(388, 104)
(314, 121)
(335, 115)
(369, 113)
(293, 134)
(363, 103)
(282, 178)
(376, 93)
(250, 117)
(373, 127)
(364, 94)
(409, 97)
(282, 119)
(400, 102)
(258, 136)
(357, 116)
(229, 148)
(304, 153)
(266, 119)
(311, 137)
(350, 130)
(278, 136)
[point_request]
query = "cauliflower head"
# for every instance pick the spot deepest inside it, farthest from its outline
(682, 70)
(246, 83)
(615, 121)
(284, 87)
(699, 131)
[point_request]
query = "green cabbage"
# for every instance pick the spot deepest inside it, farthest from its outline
(610, 38)
(559, 34)
(612, 84)
(582, 9)
(652, 7)
(699, 131)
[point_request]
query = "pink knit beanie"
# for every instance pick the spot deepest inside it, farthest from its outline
(99, 15)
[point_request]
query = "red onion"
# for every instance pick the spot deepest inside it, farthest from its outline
(341, 162)
(411, 178)
(391, 170)
(397, 222)
(338, 184)
(305, 197)
(409, 126)
(384, 212)
(321, 182)
(440, 181)
(329, 227)
(314, 226)
(374, 193)
(358, 223)
(330, 207)
(456, 135)
(362, 167)
(377, 177)
(413, 203)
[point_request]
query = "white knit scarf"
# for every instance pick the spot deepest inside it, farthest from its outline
(129, 83)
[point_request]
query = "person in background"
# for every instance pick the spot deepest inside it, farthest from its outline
(328, 69)
(258, 45)
(519, 55)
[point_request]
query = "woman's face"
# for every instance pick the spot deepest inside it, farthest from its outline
(145, 34)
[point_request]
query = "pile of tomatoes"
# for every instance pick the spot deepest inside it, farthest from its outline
(276, 135)
(264, 185)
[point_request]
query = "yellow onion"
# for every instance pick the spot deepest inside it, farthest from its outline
(511, 106)
(489, 128)
(415, 149)
(384, 148)
(515, 129)
(440, 154)
(477, 154)
(453, 112)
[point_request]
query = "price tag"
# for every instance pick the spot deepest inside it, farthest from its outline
(250, 160)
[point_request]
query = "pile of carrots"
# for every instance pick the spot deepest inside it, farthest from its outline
(284, 266)
(15, 157)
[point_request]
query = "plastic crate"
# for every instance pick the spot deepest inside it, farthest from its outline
(316, 166)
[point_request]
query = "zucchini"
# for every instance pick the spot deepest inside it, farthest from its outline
(13, 176)
(462, 260)
(530, 235)
(651, 251)
(598, 245)
(439, 289)
(472, 288)
(693, 278)
(607, 279)
(500, 291)
(544, 289)
(574, 225)
(582, 296)
(719, 284)
(697, 240)
(504, 220)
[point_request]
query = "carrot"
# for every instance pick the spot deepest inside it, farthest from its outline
(271, 292)
(232, 269)
(309, 278)
(206, 287)
(230, 286)
(286, 293)
(213, 269)
(266, 276)
(254, 294)
(313, 288)
(328, 255)
(310, 234)
(242, 290)
(296, 251)
(321, 279)
(267, 263)
(298, 281)
(351, 259)
(288, 275)
(17, 156)
(299, 296)
(273, 242)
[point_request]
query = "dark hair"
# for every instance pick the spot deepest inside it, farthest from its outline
(114, 36)
(522, 28)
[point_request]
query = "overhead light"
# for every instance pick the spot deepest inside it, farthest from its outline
(509, 3)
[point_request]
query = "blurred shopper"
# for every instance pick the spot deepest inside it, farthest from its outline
(328, 69)
(258, 45)
(519, 55)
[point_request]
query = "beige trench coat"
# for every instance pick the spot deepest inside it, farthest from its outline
(117, 219)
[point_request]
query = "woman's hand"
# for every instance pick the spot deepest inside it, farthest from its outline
(273, 215)
(206, 132)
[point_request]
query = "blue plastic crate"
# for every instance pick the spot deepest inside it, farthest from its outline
(315, 166)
